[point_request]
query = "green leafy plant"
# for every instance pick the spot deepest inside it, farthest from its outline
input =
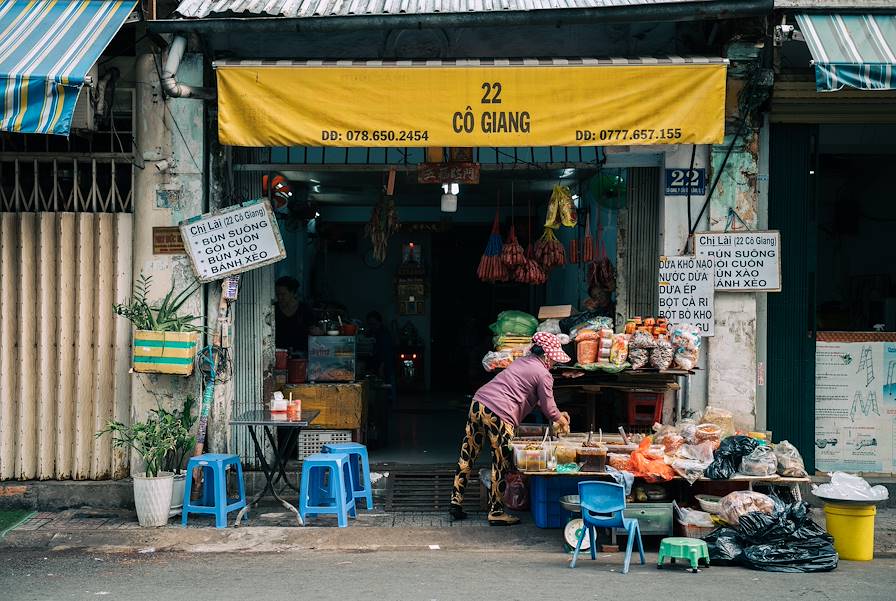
(152, 439)
(185, 442)
(162, 317)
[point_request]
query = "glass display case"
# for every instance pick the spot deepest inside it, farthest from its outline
(331, 358)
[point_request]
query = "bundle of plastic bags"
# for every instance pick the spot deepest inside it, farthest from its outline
(847, 487)
(515, 323)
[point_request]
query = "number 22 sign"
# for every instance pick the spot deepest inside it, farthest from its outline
(677, 181)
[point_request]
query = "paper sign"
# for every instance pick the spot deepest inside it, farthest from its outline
(233, 240)
(855, 406)
(686, 292)
(745, 261)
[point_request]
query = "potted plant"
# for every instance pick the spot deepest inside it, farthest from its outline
(165, 341)
(174, 460)
(153, 440)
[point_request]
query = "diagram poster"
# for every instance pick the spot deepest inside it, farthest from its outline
(855, 406)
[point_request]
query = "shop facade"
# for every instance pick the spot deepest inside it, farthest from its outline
(179, 166)
(653, 224)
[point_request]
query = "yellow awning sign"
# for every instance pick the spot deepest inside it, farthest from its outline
(420, 104)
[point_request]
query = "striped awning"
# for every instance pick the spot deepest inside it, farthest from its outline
(47, 47)
(855, 51)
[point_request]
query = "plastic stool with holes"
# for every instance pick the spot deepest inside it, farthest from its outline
(360, 466)
(691, 550)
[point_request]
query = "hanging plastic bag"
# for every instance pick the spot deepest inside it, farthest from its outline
(652, 470)
(790, 462)
(761, 462)
(742, 502)
(516, 496)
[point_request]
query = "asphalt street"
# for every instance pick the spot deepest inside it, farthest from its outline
(27, 575)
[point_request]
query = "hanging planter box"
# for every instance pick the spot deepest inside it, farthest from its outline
(165, 352)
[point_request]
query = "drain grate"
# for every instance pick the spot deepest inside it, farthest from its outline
(429, 491)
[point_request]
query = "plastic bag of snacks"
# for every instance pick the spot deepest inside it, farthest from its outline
(497, 360)
(761, 462)
(661, 357)
(619, 349)
(587, 345)
(650, 469)
(638, 357)
(686, 340)
(790, 462)
(742, 502)
(722, 418)
(642, 340)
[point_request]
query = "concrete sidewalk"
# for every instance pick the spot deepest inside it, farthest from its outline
(272, 529)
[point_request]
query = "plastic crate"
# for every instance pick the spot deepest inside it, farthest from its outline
(311, 441)
(544, 498)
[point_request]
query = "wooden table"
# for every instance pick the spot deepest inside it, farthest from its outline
(276, 472)
(792, 483)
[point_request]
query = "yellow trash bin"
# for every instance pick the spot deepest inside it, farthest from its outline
(852, 527)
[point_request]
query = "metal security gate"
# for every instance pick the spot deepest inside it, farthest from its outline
(66, 238)
(791, 312)
(638, 246)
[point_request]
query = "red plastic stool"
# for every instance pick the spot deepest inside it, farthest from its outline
(645, 408)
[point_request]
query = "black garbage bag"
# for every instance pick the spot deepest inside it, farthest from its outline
(726, 547)
(792, 523)
(814, 555)
(727, 457)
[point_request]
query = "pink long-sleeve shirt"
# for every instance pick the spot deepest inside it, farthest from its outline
(516, 391)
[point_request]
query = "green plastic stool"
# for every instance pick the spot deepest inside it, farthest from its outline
(689, 549)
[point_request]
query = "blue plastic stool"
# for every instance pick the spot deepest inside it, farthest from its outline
(214, 499)
(602, 506)
(360, 466)
(326, 487)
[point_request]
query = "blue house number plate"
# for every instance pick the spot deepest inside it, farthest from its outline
(677, 182)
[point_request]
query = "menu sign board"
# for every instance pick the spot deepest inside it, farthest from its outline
(686, 292)
(233, 240)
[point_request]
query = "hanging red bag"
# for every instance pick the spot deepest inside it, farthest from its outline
(516, 496)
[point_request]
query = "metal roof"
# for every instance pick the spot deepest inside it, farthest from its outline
(346, 8)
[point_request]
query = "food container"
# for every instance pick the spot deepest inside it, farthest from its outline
(532, 457)
(530, 430)
(349, 329)
(566, 452)
(594, 458)
(709, 503)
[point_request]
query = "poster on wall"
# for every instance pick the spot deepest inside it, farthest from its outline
(855, 406)
(686, 292)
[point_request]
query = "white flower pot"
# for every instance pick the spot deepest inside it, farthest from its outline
(152, 496)
(177, 494)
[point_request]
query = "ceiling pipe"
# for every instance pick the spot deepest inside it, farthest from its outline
(169, 73)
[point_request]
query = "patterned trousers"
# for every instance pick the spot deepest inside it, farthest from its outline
(481, 423)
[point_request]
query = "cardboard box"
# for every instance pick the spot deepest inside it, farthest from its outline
(554, 312)
(341, 406)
